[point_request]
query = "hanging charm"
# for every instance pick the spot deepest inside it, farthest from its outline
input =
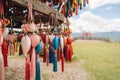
(26, 44)
(35, 39)
(2, 74)
(38, 49)
(56, 46)
(62, 55)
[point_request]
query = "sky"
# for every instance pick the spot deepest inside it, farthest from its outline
(97, 16)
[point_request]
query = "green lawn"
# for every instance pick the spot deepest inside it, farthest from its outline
(101, 60)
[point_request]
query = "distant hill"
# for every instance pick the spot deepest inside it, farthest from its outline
(113, 36)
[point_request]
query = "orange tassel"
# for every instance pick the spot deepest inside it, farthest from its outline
(76, 4)
(58, 54)
(70, 53)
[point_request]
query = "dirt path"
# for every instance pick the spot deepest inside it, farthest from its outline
(73, 71)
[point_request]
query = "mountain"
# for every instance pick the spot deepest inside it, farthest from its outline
(113, 36)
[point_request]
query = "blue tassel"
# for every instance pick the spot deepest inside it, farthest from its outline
(55, 63)
(68, 8)
(56, 42)
(38, 48)
(84, 3)
(80, 6)
(51, 53)
(56, 46)
(38, 77)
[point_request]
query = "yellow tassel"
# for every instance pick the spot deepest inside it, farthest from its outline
(81, 2)
(74, 1)
(73, 5)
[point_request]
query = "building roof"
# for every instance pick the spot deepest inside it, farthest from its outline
(40, 7)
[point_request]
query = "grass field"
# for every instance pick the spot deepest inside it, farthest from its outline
(101, 60)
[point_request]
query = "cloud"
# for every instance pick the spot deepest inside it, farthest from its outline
(109, 8)
(96, 3)
(89, 22)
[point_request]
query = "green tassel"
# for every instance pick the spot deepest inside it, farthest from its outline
(84, 3)
(55, 63)
(38, 77)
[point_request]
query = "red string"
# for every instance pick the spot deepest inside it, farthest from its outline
(62, 60)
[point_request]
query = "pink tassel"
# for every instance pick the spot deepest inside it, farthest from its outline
(11, 45)
(33, 65)
(13, 49)
(2, 75)
(27, 71)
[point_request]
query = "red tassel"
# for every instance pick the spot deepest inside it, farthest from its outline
(67, 52)
(87, 1)
(5, 52)
(43, 36)
(58, 54)
(1, 7)
(21, 51)
(70, 53)
(27, 70)
(62, 62)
